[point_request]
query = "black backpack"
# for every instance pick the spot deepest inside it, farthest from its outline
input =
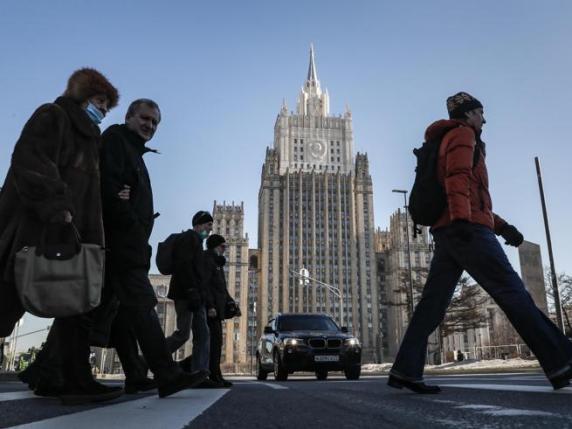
(164, 258)
(428, 199)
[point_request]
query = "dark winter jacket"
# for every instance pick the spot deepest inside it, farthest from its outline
(217, 292)
(189, 270)
(464, 178)
(128, 224)
(54, 167)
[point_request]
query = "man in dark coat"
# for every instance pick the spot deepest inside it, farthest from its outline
(188, 290)
(54, 180)
(218, 300)
(128, 219)
(465, 240)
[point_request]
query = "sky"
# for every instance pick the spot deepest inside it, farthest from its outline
(220, 70)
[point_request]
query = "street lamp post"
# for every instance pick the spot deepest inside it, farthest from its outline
(553, 277)
(404, 192)
(304, 276)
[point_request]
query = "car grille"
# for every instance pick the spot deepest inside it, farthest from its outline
(334, 343)
(317, 343)
(322, 343)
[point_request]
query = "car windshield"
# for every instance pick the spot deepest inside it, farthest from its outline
(306, 323)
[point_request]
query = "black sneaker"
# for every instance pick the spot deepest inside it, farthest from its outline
(414, 386)
(226, 384)
(144, 385)
(182, 381)
(92, 392)
(210, 384)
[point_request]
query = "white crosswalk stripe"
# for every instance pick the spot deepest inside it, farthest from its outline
(13, 396)
(150, 412)
(510, 388)
(271, 385)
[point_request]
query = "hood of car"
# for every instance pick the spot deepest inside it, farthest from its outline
(314, 334)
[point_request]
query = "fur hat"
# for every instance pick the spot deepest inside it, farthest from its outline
(87, 82)
(215, 240)
(461, 103)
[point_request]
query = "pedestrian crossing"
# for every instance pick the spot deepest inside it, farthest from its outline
(510, 388)
(149, 412)
(182, 408)
(14, 396)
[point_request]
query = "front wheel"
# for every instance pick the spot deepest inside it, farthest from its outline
(280, 373)
(261, 374)
(353, 372)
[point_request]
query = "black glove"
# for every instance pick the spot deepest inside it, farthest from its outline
(462, 230)
(512, 236)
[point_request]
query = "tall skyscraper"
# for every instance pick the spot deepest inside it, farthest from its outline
(396, 281)
(532, 272)
(229, 222)
(316, 212)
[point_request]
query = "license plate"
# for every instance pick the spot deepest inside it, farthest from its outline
(325, 358)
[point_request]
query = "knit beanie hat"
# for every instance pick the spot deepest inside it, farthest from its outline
(215, 240)
(201, 218)
(461, 103)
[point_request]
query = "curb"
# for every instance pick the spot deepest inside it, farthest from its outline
(8, 376)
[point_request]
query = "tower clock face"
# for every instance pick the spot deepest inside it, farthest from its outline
(315, 107)
(317, 150)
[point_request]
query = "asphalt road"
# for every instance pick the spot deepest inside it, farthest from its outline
(475, 401)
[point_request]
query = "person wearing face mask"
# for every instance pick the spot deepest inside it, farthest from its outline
(188, 289)
(129, 216)
(54, 178)
(218, 299)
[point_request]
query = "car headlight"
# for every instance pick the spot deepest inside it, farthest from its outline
(352, 342)
(293, 342)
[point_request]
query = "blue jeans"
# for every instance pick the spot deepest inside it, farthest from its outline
(197, 322)
(484, 259)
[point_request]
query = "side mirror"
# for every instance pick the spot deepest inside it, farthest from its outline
(268, 330)
(344, 329)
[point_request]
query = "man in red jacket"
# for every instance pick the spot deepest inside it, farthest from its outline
(465, 240)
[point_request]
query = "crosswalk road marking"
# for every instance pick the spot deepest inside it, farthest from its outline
(511, 388)
(176, 411)
(13, 396)
(271, 385)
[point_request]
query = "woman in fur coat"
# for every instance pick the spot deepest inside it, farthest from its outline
(54, 179)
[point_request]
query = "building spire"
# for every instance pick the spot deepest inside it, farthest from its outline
(312, 74)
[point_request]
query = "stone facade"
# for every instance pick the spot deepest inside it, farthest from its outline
(316, 212)
(229, 222)
(391, 247)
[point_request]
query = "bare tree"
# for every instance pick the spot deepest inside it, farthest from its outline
(565, 287)
(466, 309)
(401, 294)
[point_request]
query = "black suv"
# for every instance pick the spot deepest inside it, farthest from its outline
(307, 342)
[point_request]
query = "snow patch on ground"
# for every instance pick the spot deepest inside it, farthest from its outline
(493, 364)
